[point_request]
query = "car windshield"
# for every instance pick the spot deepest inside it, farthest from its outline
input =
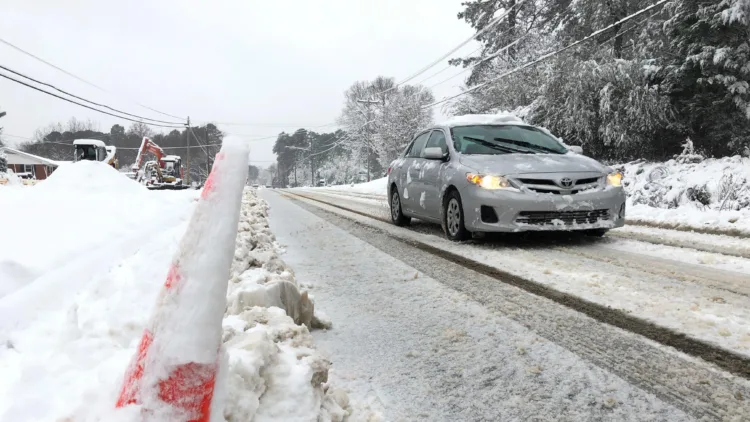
(504, 139)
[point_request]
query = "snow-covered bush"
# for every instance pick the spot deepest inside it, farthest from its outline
(733, 192)
(689, 180)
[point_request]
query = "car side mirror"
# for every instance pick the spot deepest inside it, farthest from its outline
(435, 153)
(576, 148)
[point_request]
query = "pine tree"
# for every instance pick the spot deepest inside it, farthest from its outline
(3, 162)
(708, 75)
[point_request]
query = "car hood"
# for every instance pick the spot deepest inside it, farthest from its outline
(509, 164)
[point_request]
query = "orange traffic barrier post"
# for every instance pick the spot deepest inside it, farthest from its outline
(173, 373)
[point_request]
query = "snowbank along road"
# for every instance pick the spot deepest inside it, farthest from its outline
(658, 332)
(73, 310)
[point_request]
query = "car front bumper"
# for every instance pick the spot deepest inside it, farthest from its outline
(514, 211)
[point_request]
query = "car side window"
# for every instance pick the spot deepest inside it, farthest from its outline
(407, 149)
(418, 145)
(437, 140)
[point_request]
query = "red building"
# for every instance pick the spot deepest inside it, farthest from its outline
(20, 162)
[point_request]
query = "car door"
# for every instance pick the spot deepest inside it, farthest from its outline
(430, 176)
(409, 184)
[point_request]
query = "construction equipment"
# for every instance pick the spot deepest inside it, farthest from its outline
(165, 172)
(95, 150)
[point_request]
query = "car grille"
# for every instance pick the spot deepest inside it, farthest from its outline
(567, 217)
(553, 191)
(551, 186)
(538, 182)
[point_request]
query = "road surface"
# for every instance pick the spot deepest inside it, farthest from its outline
(428, 330)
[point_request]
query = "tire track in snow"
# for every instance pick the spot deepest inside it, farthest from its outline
(709, 277)
(680, 243)
(690, 384)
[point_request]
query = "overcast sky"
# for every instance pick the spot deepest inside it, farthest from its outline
(276, 65)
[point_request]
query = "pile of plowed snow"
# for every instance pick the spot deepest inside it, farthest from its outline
(90, 176)
(274, 371)
(80, 269)
(81, 209)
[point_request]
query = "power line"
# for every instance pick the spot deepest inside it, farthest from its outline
(549, 55)
(489, 25)
(490, 57)
(83, 99)
(135, 148)
(84, 105)
(266, 124)
(434, 74)
(466, 68)
(19, 49)
(17, 136)
(254, 139)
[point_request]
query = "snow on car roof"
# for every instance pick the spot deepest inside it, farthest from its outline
(170, 158)
(95, 142)
(482, 119)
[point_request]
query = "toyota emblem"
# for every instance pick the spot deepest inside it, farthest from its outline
(566, 182)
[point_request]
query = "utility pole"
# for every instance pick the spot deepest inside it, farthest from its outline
(187, 159)
(312, 162)
(368, 103)
(208, 150)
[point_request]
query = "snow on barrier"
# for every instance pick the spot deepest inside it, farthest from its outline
(173, 373)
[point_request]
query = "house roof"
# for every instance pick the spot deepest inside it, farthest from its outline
(41, 160)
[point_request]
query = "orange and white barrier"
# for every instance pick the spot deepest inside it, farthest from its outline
(173, 373)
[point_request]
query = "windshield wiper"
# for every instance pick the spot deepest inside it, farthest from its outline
(528, 145)
(495, 146)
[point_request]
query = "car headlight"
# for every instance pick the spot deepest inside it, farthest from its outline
(614, 179)
(488, 181)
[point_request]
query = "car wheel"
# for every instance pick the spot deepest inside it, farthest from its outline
(453, 217)
(397, 215)
(595, 232)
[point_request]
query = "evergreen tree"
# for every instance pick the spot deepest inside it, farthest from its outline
(636, 90)
(707, 72)
(3, 162)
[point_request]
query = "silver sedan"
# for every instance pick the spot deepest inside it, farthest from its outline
(501, 175)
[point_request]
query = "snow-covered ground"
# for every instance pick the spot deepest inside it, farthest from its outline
(84, 256)
(373, 187)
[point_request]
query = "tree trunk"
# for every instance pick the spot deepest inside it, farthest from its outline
(618, 42)
(512, 27)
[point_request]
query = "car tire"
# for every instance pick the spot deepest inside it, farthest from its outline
(595, 232)
(397, 214)
(453, 218)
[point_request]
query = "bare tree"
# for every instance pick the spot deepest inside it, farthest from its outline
(385, 123)
(140, 130)
(42, 132)
(75, 125)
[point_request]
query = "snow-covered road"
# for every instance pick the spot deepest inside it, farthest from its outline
(703, 294)
(419, 337)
